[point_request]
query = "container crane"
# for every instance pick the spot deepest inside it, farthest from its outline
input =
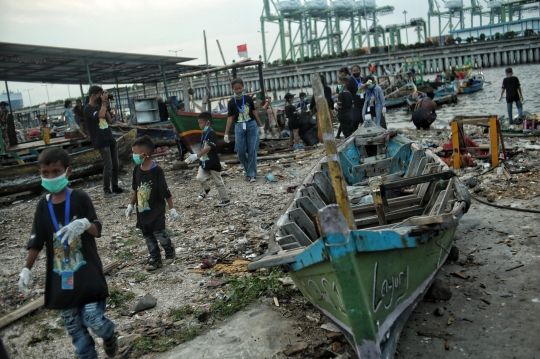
(394, 31)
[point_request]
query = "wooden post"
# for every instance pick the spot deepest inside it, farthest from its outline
(494, 141)
(455, 143)
(336, 173)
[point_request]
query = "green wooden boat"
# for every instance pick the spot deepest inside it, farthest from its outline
(366, 263)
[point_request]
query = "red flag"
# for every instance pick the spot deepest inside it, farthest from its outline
(242, 50)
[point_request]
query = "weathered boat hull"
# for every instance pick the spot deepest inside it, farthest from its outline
(465, 88)
(368, 279)
(21, 178)
(443, 96)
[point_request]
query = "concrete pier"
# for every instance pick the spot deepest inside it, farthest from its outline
(522, 50)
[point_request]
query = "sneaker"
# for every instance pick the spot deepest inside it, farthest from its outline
(107, 192)
(153, 265)
(248, 179)
(169, 259)
(223, 203)
(117, 190)
(202, 195)
(111, 345)
(298, 146)
(253, 179)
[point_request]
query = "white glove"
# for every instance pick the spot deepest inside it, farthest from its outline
(191, 158)
(384, 110)
(129, 210)
(226, 138)
(173, 215)
(73, 230)
(336, 106)
(24, 280)
(261, 130)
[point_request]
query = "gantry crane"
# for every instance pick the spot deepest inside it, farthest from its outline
(394, 31)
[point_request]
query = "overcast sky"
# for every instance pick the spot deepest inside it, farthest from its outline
(152, 27)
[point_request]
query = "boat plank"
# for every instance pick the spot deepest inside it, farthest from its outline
(292, 229)
(302, 220)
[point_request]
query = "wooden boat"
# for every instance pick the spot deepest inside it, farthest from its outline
(396, 98)
(85, 160)
(465, 70)
(443, 96)
(473, 84)
(366, 265)
(159, 132)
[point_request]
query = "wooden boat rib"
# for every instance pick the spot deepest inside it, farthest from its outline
(366, 265)
(85, 162)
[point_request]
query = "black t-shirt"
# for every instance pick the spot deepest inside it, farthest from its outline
(511, 85)
(290, 113)
(327, 95)
(346, 100)
(247, 111)
(210, 160)
(152, 190)
(357, 87)
(98, 128)
(84, 266)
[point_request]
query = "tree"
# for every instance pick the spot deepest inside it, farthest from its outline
(509, 34)
(528, 32)
(497, 35)
(482, 37)
(450, 41)
(458, 40)
(469, 39)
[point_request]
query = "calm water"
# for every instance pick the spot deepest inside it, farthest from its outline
(480, 103)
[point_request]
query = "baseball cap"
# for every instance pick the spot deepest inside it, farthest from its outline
(288, 95)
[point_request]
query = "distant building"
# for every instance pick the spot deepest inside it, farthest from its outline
(15, 98)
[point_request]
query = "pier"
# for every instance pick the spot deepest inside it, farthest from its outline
(491, 53)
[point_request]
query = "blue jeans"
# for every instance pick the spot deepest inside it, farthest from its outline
(509, 108)
(152, 239)
(78, 320)
(246, 145)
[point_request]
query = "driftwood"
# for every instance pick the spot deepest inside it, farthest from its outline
(38, 303)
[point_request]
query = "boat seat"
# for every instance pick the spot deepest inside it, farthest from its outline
(291, 229)
(312, 194)
(302, 220)
(324, 188)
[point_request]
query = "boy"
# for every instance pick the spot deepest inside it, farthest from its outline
(150, 192)
(241, 111)
(45, 132)
(66, 223)
(344, 105)
(302, 105)
(210, 167)
(294, 122)
(512, 87)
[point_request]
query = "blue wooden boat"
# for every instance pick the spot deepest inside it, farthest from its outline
(470, 85)
(365, 234)
(443, 96)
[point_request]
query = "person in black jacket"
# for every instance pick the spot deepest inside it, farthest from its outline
(345, 104)
(327, 96)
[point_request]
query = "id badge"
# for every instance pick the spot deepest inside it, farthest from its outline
(362, 95)
(244, 126)
(67, 280)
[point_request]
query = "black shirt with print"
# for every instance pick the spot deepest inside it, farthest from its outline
(98, 129)
(81, 258)
(235, 104)
(210, 161)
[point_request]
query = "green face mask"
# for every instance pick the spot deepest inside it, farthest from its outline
(205, 129)
(137, 159)
(55, 185)
(371, 87)
(340, 87)
(240, 95)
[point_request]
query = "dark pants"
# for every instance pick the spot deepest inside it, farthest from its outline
(109, 155)
(356, 116)
(153, 248)
(345, 123)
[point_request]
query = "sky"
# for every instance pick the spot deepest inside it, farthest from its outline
(155, 27)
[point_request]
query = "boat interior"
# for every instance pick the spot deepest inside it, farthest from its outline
(390, 182)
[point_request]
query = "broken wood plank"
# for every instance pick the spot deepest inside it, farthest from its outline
(38, 303)
(516, 267)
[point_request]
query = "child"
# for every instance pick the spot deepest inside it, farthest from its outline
(302, 105)
(74, 284)
(150, 192)
(294, 122)
(70, 118)
(344, 105)
(210, 166)
(242, 112)
(44, 131)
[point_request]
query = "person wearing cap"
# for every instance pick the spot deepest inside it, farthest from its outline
(512, 87)
(293, 122)
(4, 124)
(375, 102)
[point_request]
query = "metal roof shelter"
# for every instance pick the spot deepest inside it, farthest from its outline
(59, 65)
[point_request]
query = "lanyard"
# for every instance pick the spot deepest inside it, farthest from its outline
(66, 219)
(359, 83)
(301, 104)
(205, 136)
(240, 109)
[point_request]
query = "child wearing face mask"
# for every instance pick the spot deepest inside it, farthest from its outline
(150, 191)
(210, 167)
(67, 226)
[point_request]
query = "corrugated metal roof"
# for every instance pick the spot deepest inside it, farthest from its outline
(59, 65)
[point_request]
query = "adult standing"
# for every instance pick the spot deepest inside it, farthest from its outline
(97, 122)
(513, 93)
(4, 124)
(246, 134)
(358, 99)
(78, 111)
(352, 87)
(375, 102)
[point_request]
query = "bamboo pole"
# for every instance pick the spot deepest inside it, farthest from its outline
(336, 173)
(215, 69)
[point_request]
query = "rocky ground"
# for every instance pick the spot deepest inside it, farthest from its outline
(209, 280)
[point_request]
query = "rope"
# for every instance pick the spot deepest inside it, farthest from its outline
(502, 207)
